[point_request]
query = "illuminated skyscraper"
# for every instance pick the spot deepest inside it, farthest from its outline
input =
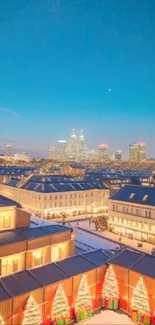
(142, 151)
(81, 147)
(134, 151)
(51, 153)
(62, 148)
(103, 152)
(72, 151)
(22, 156)
(137, 151)
(8, 151)
(118, 155)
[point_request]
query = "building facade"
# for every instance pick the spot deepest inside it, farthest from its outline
(118, 155)
(42, 281)
(132, 213)
(56, 194)
(137, 151)
(102, 152)
(23, 156)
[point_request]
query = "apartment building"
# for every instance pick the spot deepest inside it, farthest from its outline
(25, 247)
(132, 213)
(54, 194)
(43, 282)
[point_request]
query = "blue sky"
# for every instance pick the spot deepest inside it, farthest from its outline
(58, 60)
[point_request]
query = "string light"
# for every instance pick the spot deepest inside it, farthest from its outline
(60, 306)
(1, 321)
(32, 313)
(110, 286)
(140, 300)
(83, 299)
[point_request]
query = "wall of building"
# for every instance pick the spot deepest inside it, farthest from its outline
(34, 253)
(136, 219)
(126, 280)
(57, 202)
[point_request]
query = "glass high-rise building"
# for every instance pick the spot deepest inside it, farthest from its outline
(8, 150)
(137, 151)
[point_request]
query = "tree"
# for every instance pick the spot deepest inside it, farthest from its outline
(100, 222)
(32, 314)
(1, 321)
(83, 300)
(60, 306)
(140, 300)
(110, 286)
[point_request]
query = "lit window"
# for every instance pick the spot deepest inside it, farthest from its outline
(131, 196)
(146, 227)
(7, 222)
(38, 257)
(153, 228)
(145, 197)
(56, 253)
(11, 264)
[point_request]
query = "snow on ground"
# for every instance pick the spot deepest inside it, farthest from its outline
(90, 239)
(109, 317)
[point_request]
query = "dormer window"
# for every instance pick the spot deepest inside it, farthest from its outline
(131, 196)
(145, 197)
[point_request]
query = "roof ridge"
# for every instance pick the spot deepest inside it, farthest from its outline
(140, 258)
(5, 288)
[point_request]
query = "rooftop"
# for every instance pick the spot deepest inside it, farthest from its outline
(16, 171)
(4, 201)
(136, 194)
(13, 236)
(126, 258)
(53, 184)
(138, 262)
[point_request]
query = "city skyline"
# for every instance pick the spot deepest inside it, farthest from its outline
(86, 64)
(75, 147)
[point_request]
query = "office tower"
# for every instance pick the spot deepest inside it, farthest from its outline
(81, 147)
(22, 156)
(137, 151)
(103, 151)
(62, 149)
(92, 155)
(51, 153)
(142, 151)
(134, 151)
(118, 155)
(73, 146)
(8, 151)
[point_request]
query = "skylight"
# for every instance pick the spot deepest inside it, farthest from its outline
(131, 195)
(145, 197)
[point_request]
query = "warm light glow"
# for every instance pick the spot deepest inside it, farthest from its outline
(83, 300)
(140, 299)
(103, 146)
(110, 286)
(37, 254)
(1, 321)
(32, 313)
(60, 306)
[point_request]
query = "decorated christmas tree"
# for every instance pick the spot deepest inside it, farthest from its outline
(83, 300)
(110, 286)
(1, 321)
(140, 300)
(60, 306)
(32, 313)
